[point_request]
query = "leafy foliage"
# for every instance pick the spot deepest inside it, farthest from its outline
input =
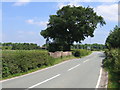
(112, 64)
(95, 46)
(112, 60)
(14, 62)
(72, 24)
(21, 61)
(19, 46)
(113, 40)
(80, 52)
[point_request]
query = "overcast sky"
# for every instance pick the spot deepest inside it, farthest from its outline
(23, 21)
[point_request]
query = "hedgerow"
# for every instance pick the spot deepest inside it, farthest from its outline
(112, 64)
(20, 61)
(80, 52)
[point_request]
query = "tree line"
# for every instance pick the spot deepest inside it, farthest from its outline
(94, 46)
(19, 46)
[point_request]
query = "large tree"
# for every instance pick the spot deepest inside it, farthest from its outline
(72, 24)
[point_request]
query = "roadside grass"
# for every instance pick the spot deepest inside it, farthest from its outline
(54, 61)
(113, 80)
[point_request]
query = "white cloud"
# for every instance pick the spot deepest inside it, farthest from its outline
(21, 2)
(30, 21)
(73, 3)
(35, 22)
(109, 12)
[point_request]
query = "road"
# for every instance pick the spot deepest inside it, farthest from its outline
(75, 73)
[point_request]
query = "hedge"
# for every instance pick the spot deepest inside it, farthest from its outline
(19, 61)
(112, 64)
(80, 52)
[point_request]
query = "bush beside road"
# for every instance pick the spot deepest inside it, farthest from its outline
(19, 62)
(112, 64)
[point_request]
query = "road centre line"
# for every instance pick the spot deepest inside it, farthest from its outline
(43, 82)
(73, 67)
(86, 60)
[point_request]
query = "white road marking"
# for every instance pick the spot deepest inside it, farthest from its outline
(98, 82)
(107, 81)
(43, 81)
(73, 67)
(86, 60)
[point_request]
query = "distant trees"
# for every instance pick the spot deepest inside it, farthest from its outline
(94, 46)
(71, 24)
(113, 40)
(19, 46)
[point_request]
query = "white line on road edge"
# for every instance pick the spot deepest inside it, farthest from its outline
(107, 81)
(73, 67)
(98, 82)
(86, 60)
(43, 82)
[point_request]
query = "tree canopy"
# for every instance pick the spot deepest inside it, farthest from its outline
(72, 24)
(113, 40)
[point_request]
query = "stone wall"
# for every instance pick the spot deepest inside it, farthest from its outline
(60, 54)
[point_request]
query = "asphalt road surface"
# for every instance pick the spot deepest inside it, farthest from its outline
(75, 73)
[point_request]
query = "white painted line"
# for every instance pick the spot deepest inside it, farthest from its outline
(86, 60)
(43, 82)
(73, 67)
(98, 82)
(35, 71)
(107, 81)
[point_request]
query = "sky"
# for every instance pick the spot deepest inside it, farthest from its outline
(23, 21)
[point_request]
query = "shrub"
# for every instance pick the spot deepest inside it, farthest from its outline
(80, 52)
(19, 61)
(77, 54)
(113, 40)
(112, 64)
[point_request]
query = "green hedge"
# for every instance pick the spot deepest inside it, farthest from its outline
(112, 64)
(6, 47)
(20, 61)
(80, 52)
